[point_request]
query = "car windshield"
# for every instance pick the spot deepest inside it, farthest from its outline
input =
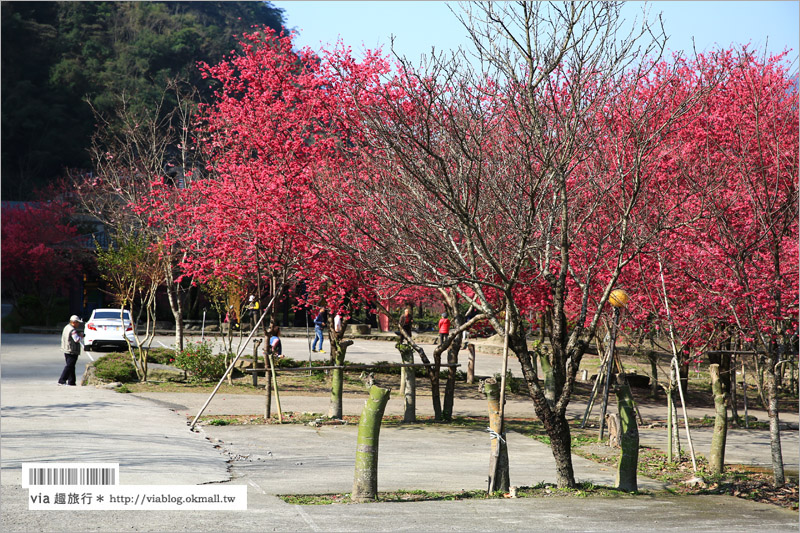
(110, 315)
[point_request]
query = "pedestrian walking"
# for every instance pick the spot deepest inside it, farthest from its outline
(71, 341)
(319, 323)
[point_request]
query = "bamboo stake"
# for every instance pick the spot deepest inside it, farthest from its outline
(675, 362)
(230, 367)
(500, 431)
(275, 387)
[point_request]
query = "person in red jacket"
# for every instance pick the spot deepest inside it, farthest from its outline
(444, 328)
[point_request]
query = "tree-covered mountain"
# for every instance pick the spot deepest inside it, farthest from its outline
(55, 55)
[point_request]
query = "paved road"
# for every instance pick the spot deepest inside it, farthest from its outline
(43, 422)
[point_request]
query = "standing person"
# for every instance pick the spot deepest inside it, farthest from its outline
(444, 328)
(319, 323)
(71, 341)
(338, 322)
(275, 343)
(253, 307)
(230, 318)
(406, 322)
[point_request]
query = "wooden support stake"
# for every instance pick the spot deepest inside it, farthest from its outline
(275, 385)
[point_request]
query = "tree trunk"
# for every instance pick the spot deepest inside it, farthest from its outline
(339, 348)
(774, 421)
(409, 383)
(653, 358)
(683, 378)
(561, 445)
(471, 364)
(716, 460)
(629, 438)
(734, 397)
(365, 480)
(175, 305)
(555, 423)
(549, 382)
(434, 377)
(676, 426)
(498, 463)
(450, 386)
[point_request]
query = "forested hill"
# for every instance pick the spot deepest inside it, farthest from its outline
(56, 54)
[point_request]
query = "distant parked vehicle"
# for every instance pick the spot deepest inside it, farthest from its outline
(109, 327)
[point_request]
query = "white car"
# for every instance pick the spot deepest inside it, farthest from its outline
(108, 327)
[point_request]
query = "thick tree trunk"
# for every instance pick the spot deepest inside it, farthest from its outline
(555, 424)
(498, 462)
(339, 350)
(629, 438)
(716, 460)
(365, 480)
(409, 380)
(561, 444)
(774, 422)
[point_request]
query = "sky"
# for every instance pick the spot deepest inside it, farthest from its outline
(419, 25)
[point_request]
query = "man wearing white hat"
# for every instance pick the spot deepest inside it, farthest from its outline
(71, 341)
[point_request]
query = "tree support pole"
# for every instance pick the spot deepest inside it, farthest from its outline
(670, 422)
(675, 365)
(230, 367)
(275, 386)
(595, 388)
(611, 343)
(268, 395)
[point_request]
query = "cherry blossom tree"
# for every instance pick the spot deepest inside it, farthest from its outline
(734, 268)
(529, 187)
(40, 250)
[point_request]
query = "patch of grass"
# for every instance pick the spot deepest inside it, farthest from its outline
(123, 389)
(218, 422)
(115, 366)
(161, 356)
(314, 499)
(542, 490)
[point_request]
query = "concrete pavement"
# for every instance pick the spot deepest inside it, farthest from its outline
(43, 422)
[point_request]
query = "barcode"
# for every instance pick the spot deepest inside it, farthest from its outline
(43, 474)
(71, 476)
